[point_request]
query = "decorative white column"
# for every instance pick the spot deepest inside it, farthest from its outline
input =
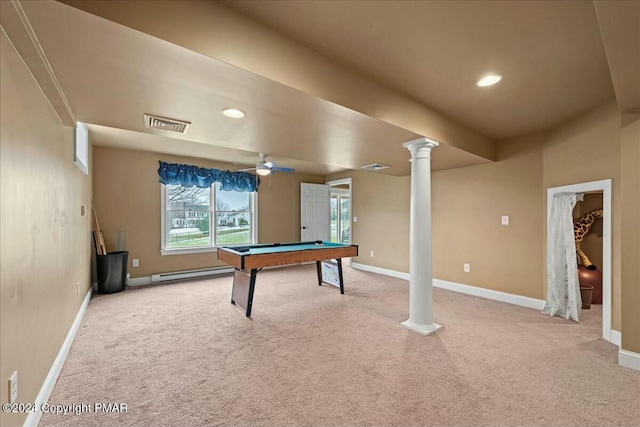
(421, 274)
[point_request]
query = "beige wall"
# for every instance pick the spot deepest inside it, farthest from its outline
(45, 243)
(127, 198)
(279, 206)
(630, 195)
(381, 204)
(588, 149)
(468, 204)
(467, 207)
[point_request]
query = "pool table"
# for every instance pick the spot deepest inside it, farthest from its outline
(249, 260)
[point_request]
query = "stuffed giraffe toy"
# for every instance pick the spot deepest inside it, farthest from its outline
(581, 228)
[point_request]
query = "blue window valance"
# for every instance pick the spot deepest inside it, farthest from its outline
(189, 176)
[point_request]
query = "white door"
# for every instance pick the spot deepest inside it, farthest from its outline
(314, 212)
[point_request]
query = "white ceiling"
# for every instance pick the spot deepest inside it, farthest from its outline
(552, 55)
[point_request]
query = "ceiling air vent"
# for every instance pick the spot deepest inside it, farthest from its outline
(163, 123)
(375, 167)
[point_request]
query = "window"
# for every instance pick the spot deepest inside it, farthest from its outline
(340, 215)
(199, 219)
(234, 217)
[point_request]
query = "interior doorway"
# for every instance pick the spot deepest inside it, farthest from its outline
(340, 215)
(340, 210)
(602, 187)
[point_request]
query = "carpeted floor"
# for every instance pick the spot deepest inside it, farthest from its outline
(181, 355)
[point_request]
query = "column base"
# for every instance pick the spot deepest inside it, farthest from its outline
(421, 329)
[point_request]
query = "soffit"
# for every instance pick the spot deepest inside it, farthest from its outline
(620, 26)
(112, 75)
(550, 54)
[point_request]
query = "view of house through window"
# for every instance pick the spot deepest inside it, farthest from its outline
(206, 217)
(340, 216)
(233, 217)
(188, 216)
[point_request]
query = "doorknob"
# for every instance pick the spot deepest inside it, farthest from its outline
(304, 227)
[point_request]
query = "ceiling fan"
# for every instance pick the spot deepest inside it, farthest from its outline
(265, 168)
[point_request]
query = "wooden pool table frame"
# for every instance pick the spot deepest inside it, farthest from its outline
(248, 265)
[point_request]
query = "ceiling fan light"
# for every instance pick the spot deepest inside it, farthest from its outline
(263, 171)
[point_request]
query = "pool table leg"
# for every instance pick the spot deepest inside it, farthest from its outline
(243, 288)
(339, 260)
(319, 267)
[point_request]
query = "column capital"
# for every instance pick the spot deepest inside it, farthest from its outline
(422, 145)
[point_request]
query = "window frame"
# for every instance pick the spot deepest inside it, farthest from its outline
(253, 215)
(340, 194)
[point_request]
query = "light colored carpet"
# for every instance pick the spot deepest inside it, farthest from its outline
(181, 355)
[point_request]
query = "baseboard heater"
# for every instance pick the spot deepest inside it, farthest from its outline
(189, 274)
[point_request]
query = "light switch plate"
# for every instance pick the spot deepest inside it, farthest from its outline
(13, 387)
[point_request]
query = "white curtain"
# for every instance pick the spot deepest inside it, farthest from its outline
(563, 289)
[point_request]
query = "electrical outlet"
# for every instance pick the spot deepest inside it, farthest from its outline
(354, 219)
(371, 254)
(466, 268)
(505, 219)
(135, 262)
(13, 387)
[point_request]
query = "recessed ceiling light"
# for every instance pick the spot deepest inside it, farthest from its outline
(234, 113)
(489, 80)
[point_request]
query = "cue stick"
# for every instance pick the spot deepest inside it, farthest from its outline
(102, 250)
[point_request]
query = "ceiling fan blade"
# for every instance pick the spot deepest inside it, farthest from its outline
(264, 166)
(278, 169)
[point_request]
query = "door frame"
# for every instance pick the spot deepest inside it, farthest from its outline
(584, 187)
(349, 182)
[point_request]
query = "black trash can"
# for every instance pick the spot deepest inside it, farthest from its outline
(112, 272)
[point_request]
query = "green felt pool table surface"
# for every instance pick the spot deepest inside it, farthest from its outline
(285, 247)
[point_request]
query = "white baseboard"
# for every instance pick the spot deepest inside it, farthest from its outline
(520, 300)
(616, 337)
(386, 272)
(47, 387)
(629, 359)
(464, 289)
